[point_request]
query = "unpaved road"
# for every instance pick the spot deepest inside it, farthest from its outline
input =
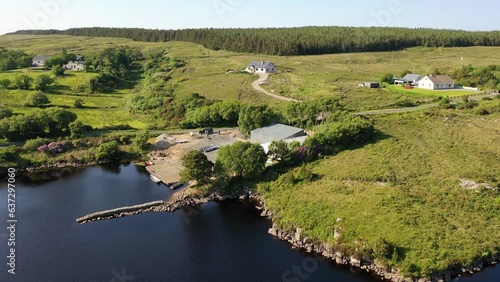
(263, 77)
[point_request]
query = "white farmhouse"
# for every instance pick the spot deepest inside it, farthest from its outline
(435, 82)
(261, 67)
(75, 65)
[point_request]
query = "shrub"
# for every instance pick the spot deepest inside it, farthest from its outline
(34, 144)
(387, 78)
(5, 83)
(53, 148)
(5, 113)
(24, 82)
(43, 82)
(37, 99)
(78, 104)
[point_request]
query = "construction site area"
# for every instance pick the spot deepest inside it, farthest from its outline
(166, 160)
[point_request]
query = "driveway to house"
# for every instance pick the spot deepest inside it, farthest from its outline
(423, 107)
(262, 78)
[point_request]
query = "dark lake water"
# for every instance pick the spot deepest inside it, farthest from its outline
(216, 242)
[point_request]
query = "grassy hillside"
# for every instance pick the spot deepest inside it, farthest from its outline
(302, 77)
(405, 188)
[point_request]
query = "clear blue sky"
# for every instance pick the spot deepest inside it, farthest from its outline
(178, 14)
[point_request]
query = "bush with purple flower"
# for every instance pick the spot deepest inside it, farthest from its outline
(53, 148)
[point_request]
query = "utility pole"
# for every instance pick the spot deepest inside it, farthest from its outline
(462, 61)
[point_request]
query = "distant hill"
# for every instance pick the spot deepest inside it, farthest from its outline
(299, 40)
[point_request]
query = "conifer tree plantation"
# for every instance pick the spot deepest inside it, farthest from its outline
(297, 41)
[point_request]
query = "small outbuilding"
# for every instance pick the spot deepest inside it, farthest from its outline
(410, 78)
(372, 85)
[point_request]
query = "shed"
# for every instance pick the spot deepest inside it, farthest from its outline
(275, 132)
(372, 84)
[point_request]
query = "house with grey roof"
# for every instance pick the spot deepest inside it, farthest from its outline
(410, 78)
(435, 82)
(277, 132)
(261, 67)
(39, 61)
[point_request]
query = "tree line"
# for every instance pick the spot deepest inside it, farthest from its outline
(297, 41)
(10, 59)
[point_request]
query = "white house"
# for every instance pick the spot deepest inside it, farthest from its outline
(261, 67)
(410, 78)
(435, 82)
(75, 65)
(39, 61)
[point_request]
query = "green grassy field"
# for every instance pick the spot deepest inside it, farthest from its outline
(99, 109)
(427, 93)
(405, 187)
(302, 77)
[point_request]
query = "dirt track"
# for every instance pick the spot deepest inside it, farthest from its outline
(262, 78)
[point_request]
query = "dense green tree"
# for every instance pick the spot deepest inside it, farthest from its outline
(221, 113)
(252, 117)
(279, 151)
(79, 104)
(33, 144)
(341, 131)
(58, 60)
(37, 99)
(58, 70)
(299, 41)
(5, 113)
(77, 129)
(24, 82)
(59, 120)
(387, 78)
(242, 159)
(8, 64)
(43, 82)
(5, 82)
(196, 167)
(141, 140)
(108, 151)
(13, 59)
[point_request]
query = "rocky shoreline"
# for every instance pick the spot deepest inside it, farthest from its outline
(57, 165)
(182, 201)
(297, 240)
